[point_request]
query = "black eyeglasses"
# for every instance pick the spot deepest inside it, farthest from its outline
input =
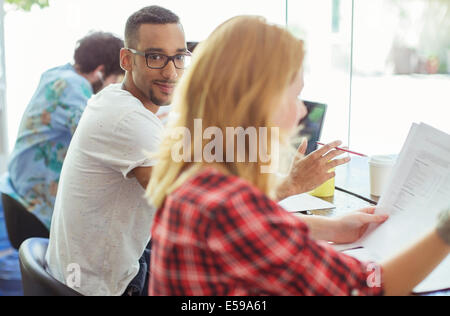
(159, 61)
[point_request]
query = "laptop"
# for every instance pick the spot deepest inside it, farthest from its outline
(312, 124)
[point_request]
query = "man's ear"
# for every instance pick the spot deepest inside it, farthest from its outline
(99, 72)
(126, 59)
(96, 74)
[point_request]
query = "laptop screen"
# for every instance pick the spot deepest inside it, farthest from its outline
(312, 124)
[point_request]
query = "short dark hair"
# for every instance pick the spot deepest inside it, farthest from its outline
(149, 15)
(99, 48)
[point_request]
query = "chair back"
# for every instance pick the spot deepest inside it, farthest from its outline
(36, 280)
(20, 223)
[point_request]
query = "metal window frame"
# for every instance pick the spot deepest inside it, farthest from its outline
(4, 149)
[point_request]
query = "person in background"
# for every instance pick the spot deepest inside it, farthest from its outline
(51, 119)
(101, 220)
(218, 230)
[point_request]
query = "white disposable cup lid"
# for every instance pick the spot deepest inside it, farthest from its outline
(382, 160)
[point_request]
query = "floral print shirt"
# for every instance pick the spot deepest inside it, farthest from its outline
(44, 136)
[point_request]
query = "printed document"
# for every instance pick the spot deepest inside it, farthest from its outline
(418, 190)
(304, 202)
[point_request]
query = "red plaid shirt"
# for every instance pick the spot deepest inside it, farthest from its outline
(218, 235)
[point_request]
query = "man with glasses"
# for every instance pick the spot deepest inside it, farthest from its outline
(101, 222)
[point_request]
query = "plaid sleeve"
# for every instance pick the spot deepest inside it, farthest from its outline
(271, 252)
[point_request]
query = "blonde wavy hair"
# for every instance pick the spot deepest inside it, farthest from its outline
(236, 80)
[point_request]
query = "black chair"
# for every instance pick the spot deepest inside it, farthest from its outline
(36, 280)
(20, 223)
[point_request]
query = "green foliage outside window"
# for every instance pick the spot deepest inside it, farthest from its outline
(26, 5)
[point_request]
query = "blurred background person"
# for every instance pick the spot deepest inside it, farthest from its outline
(51, 118)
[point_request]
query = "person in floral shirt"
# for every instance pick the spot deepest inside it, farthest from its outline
(51, 118)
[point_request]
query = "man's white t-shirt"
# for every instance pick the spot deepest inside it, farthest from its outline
(101, 222)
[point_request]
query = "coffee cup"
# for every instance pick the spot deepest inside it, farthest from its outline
(380, 167)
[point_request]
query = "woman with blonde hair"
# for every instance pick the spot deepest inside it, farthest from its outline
(217, 230)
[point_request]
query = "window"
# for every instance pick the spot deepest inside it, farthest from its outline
(3, 118)
(397, 54)
(58, 27)
(401, 68)
(379, 65)
(325, 26)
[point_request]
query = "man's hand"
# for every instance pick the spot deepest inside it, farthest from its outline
(307, 173)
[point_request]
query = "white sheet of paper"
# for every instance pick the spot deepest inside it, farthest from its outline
(362, 254)
(418, 190)
(304, 202)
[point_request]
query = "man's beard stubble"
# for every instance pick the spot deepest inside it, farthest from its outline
(156, 101)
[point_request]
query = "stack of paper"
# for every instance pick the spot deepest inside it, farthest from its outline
(418, 190)
(304, 202)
